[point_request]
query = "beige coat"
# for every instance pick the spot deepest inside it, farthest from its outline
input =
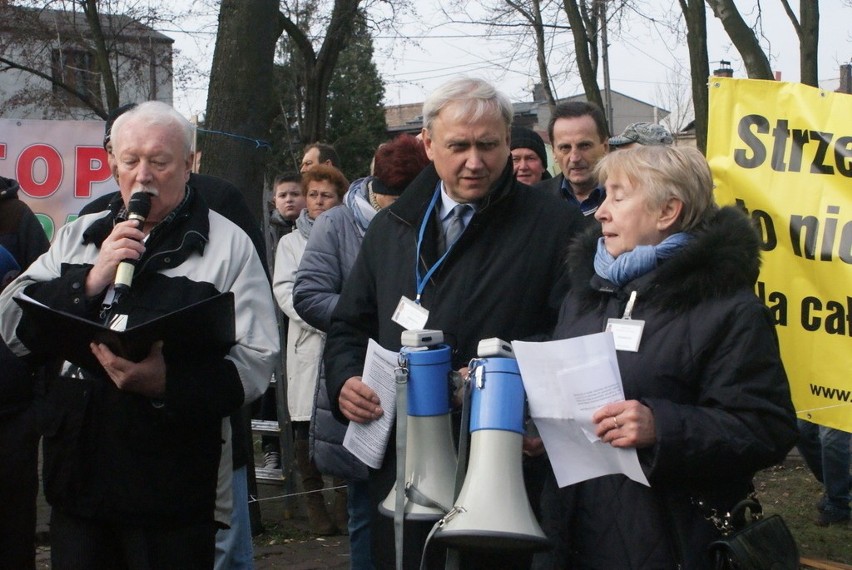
(304, 343)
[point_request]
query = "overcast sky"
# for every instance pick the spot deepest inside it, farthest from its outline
(647, 61)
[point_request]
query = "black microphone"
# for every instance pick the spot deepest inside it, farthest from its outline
(138, 209)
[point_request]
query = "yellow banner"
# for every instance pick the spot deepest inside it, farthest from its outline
(783, 152)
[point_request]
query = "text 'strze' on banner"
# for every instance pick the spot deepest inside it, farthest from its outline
(783, 152)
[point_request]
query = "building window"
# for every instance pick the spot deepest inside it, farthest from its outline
(76, 68)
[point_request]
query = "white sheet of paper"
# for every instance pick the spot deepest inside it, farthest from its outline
(566, 381)
(368, 441)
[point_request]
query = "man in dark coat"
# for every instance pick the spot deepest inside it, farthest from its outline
(580, 138)
(22, 240)
(502, 277)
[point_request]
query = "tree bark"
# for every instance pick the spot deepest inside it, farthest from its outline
(582, 42)
(807, 29)
(754, 59)
(319, 67)
(809, 43)
(696, 41)
(90, 9)
(240, 102)
(533, 16)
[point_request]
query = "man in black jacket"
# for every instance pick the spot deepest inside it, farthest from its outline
(502, 277)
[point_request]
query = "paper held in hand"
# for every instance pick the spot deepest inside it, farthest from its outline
(369, 441)
(566, 381)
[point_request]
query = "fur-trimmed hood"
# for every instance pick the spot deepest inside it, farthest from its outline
(723, 258)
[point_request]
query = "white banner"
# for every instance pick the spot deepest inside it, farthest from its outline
(60, 166)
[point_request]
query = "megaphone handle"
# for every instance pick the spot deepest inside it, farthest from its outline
(453, 559)
(401, 376)
(464, 437)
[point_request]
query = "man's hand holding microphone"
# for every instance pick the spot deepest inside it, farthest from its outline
(121, 249)
(115, 265)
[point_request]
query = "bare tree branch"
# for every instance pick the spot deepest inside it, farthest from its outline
(90, 9)
(744, 39)
(793, 19)
(585, 49)
(85, 97)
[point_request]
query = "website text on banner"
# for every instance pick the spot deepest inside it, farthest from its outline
(783, 152)
(60, 166)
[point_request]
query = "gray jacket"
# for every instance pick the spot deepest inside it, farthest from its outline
(329, 255)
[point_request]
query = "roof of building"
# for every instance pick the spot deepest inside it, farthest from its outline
(408, 117)
(52, 23)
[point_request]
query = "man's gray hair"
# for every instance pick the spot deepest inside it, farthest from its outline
(155, 113)
(475, 98)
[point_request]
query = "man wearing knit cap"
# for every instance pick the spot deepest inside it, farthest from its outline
(529, 157)
(644, 134)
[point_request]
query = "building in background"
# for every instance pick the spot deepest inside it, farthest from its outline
(54, 71)
(534, 115)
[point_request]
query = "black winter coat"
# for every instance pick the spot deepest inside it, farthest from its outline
(709, 368)
(503, 278)
(224, 198)
(23, 237)
(112, 455)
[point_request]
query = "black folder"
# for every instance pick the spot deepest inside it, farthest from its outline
(202, 329)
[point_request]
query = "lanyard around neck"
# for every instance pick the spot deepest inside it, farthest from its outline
(419, 282)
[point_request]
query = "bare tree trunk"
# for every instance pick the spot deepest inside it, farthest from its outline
(240, 105)
(696, 41)
(607, 98)
(809, 42)
(533, 16)
(319, 68)
(755, 60)
(807, 29)
(583, 42)
(90, 9)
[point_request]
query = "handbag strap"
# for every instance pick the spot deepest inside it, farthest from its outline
(735, 519)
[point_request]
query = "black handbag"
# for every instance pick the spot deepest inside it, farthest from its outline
(752, 541)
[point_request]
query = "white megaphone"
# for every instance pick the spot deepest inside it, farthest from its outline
(492, 510)
(430, 457)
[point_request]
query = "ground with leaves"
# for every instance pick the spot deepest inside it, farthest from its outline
(789, 490)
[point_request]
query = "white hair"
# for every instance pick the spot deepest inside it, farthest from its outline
(155, 113)
(475, 98)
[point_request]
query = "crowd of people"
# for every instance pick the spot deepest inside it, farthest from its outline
(145, 462)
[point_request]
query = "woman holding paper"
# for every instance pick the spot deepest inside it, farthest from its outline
(707, 401)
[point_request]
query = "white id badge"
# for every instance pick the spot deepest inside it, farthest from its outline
(409, 315)
(627, 333)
